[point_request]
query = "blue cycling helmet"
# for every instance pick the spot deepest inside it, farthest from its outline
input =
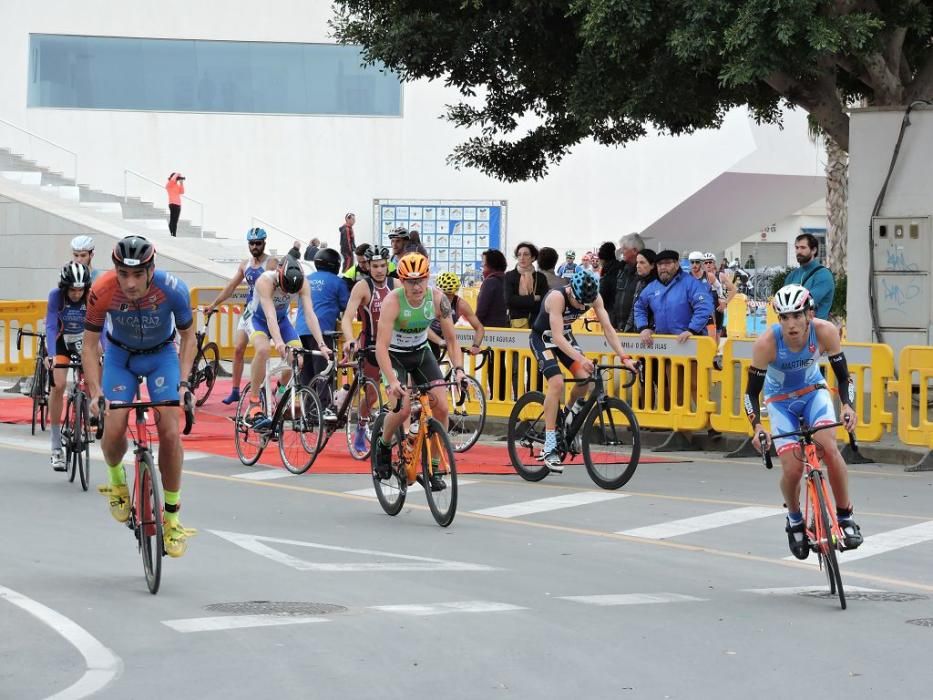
(585, 286)
(256, 234)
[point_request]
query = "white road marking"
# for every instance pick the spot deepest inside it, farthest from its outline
(264, 475)
(886, 542)
(234, 622)
(103, 666)
(371, 493)
(397, 562)
(795, 590)
(466, 606)
(699, 523)
(632, 598)
(40, 445)
(541, 505)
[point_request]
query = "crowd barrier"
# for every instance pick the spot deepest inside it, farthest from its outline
(683, 390)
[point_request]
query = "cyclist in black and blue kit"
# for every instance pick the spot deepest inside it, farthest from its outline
(552, 342)
(785, 362)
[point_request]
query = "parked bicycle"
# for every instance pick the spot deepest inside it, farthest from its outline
(76, 431)
(467, 402)
(352, 408)
(206, 364)
(605, 431)
(823, 533)
(425, 455)
(294, 418)
(146, 506)
(41, 380)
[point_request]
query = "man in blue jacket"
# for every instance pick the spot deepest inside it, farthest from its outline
(681, 304)
(815, 278)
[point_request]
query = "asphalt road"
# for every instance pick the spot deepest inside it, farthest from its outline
(537, 596)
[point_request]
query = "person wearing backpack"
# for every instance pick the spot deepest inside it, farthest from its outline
(818, 280)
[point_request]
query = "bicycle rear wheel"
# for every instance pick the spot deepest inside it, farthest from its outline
(437, 448)
(826, 539)
(390, 491)
(526, 436)
(82, 440)
(300, 431)
(249, 443)
(205, 370)
(468, 419)
(365, 405)
(149, 520)
(611, 443)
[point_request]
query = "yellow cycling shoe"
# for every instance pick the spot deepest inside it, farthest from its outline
(175, 538)
(119, 500)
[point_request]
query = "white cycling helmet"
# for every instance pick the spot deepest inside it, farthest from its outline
(791, 299)
(79, 243)
(696, 256)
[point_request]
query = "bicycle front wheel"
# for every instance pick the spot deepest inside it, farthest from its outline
(82, 440)
(365, 406)
(149, 520)
(467, 413)
(826, 538)
(611, 443)
(249, 443)
(37, 392)
(526, 436)
(68, 441)
(391, 486)
(439, 468)
(206, 366)
(299, 426)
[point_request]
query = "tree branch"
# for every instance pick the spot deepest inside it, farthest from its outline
(894, 51)
(922, 86)
(819, 98)
(887, 86)
(854, 70)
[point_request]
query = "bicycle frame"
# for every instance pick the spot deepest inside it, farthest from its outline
(597, 395)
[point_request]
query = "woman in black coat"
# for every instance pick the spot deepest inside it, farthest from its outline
(525, 287)
(647, 273)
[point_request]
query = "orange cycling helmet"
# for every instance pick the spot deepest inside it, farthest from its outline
(413, 266)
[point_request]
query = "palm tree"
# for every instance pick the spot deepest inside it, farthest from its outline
(837, 195)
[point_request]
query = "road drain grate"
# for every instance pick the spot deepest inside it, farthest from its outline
(922, 622)
(879, 597)
(274, 607)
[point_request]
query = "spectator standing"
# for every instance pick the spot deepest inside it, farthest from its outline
(610, 268)
(750, 263)
(680, 303)
(312, 249)
(818, 280)
(347, 240)
(629, 247)
(569, 267)
(295, 250)
(490, 309)
(645, 273)
(525, 287)
(413, 245)
(175, 188)
(547, 259)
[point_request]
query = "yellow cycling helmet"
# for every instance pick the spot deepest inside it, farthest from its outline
(448, 283)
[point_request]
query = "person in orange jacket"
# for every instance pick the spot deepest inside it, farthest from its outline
(175, 188)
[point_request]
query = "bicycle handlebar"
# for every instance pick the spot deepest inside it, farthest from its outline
(425, 388)
(19, 337)
(605, 368)
(803, 432)
(187, 404)
(587, 322)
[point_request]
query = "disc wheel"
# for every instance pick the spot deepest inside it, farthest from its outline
(299, 424)
(365, 406)
(249, 443)
(467, 415)
(205, 372)
(826, 540)
(149, 521)
(438, 461)
(526, 436)
(611, 443)
(391, 490)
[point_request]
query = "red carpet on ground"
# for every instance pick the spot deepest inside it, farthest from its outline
(213, 433)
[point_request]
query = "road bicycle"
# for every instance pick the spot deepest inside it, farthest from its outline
(605, 431)
(206, 364)
(41, 380)
(467, 402)
(824, 535)
(294, 415)
(427, 443)
(354, 406)
(146, 505)
(76, 432)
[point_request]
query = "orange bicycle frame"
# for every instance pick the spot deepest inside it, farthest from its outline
(811, 506)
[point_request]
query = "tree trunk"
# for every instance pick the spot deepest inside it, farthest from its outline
(837, 195)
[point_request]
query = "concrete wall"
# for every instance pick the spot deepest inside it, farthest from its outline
(872, 138)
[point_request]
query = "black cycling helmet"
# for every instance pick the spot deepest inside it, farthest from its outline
(377, 253)
(291, 275)
(75, 276)
(327, 259)
(134, 251)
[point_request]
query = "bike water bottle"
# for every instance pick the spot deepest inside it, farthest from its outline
(341, 395)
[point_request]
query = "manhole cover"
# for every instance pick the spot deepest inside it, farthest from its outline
(877, 597)
(276, 607)
(922, 622)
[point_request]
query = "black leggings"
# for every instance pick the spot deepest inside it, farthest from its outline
(174, 211)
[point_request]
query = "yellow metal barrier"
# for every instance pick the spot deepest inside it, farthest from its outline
(14, 315)
(915, 423)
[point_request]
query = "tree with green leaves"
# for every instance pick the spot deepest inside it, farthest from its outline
(539, 76)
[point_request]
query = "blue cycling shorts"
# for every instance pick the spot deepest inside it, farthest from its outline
(257, 324)
(121, 368)
(816, 408)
